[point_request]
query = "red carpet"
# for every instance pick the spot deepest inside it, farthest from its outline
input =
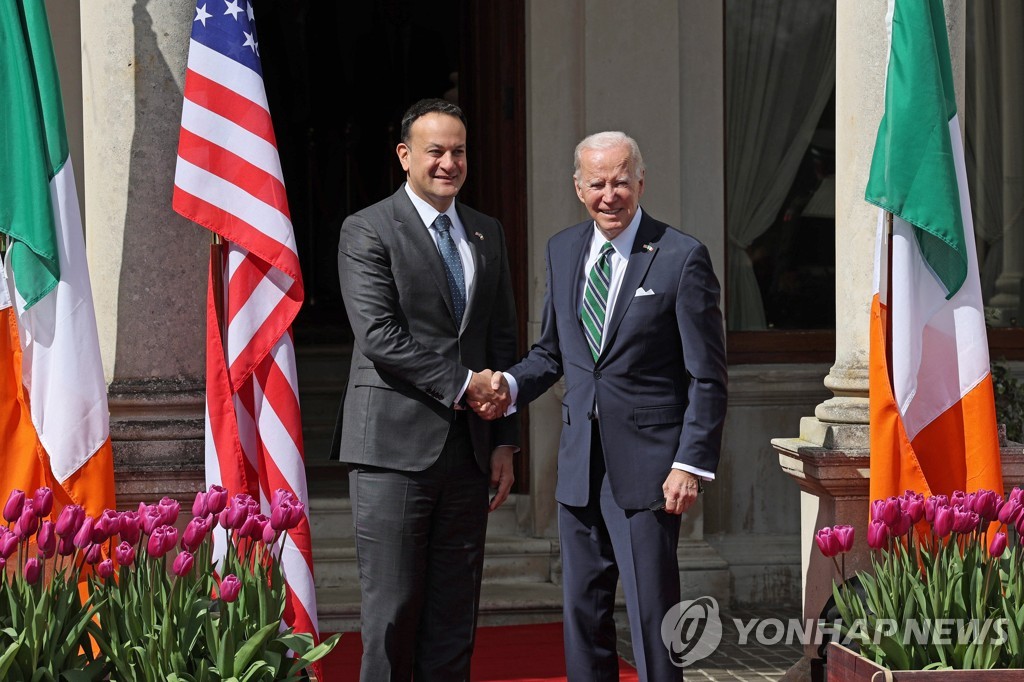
(509, 653)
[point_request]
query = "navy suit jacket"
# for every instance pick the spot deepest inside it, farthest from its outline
(659, 385)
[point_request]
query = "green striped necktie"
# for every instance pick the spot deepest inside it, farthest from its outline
(595, 299)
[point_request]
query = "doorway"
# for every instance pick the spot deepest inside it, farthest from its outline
(338, 80)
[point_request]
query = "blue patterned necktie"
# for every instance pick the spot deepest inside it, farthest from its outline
(595, 299)
(452, 264)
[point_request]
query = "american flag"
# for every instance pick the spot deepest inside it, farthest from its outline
(228, 179)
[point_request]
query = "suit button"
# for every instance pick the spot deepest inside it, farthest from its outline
(597, 374)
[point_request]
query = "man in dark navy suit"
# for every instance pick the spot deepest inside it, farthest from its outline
(632, 320)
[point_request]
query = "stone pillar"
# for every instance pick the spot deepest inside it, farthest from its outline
(1006, 303)
(148, 265)
(829, 459)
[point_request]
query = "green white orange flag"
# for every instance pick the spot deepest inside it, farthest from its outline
(54, 423)
(933, 424)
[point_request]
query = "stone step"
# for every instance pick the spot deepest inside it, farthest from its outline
(331, 518)
(501, 603)
(506, 559)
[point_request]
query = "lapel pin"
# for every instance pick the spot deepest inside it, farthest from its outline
(478, 236)
(647, 247)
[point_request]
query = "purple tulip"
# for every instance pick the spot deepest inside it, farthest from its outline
(913, 505)
(827, 541)
(125, 554)
(217, 499)
(33, 569)
(43, 501)
(106, 526)
(965, 521)
(169, 508)
(281, 495)
(902, 525)
(877, 507)
(94, 554)
(151, 517)
(845, 536)
(248, 525)
(933, 503)
(878, 534)
(998, 544)
(230, 586)
(28, 522)
(105, 569)
(279, 516)
(66, 546)
(47, 539)
(944, 518)
(891, 511)
(195, 533)
(234, 516)
(199, 507)
(183, 564)
(70, 520)
(269, 534)
(130, 528)
(958, 499)
(296, 513)
(8, 543)
(157, 541)
(1017, 494)
(1010, 512)
(15, 502)
(986, 504)
(84, 535)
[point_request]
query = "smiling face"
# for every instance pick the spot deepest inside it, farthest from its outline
(609, 187)
(434, 158)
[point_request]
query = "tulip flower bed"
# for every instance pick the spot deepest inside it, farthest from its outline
(121, 597)
(946, 585)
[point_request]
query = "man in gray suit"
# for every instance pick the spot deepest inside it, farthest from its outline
(427, 290)
(631, 317)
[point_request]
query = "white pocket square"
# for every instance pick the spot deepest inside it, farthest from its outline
(644, 292)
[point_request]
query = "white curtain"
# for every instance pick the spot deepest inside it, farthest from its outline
(780, 73)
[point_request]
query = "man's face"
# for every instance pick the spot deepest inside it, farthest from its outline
(434, 159)
(609, 188)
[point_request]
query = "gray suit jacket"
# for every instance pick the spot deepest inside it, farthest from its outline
(659, 385)
(410, 360)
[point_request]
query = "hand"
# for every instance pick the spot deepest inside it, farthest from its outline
(502, 476)
(488, 394)
(680, 490)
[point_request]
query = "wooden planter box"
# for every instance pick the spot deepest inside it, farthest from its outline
(845, 665)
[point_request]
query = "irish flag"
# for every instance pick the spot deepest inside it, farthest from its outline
(54, 423)
(933, 424)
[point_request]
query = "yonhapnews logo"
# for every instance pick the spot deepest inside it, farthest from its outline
(692, 630)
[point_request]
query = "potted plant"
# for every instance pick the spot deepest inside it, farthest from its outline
(125, 596)
(945, 592)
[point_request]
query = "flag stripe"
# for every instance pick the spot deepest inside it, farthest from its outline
(221, 105)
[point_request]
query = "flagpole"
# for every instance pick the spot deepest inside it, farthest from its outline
(217, 273)
(888, 295)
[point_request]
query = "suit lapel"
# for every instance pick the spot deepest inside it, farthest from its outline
(640, 258)
(420, 239)
(478, 261)
(577, 260)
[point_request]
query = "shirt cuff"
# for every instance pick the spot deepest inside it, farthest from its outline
(458, 398)
(513, 393)
(706, 475)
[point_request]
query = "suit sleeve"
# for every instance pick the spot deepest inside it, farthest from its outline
(703, 336)
(371, 302)
(502, 344)
(542, 366)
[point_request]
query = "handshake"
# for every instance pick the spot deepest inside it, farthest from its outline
(488, 394)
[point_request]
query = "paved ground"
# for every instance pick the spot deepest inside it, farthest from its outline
(734, 661)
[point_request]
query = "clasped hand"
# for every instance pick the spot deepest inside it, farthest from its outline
(488, 394)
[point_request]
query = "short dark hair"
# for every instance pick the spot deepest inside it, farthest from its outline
(423, 107)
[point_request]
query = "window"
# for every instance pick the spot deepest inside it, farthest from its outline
(780, 190)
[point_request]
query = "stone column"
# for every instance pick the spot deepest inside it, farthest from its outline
(148, 265)
(829, 459)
